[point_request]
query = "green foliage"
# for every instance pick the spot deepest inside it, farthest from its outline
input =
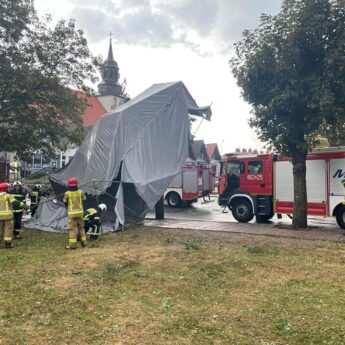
(193, 244)
(292, 71)
(41, 65)
(124, 92)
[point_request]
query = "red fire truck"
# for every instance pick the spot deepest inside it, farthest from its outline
(194, 181)
(262, 185)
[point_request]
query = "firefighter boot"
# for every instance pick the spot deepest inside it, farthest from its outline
(67, 246)
(9, 245)
(16, 234)
(83, 242)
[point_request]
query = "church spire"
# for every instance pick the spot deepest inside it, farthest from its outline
(110, 51)
(110, 75)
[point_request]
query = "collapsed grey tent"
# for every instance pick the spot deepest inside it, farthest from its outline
(131, 155)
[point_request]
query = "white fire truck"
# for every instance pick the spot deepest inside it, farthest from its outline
(194, 181)
(262, 185)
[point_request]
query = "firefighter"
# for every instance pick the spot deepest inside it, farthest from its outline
(74, 200)
(92, 221)
(35, 197)
(20, 194)
(7, 201)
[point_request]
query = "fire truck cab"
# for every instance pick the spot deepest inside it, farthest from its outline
(262, 185)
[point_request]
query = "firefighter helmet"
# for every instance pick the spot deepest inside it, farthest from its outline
(73, 182)
(4, 187)
(17, 183)
(38, 186)
(102, 207)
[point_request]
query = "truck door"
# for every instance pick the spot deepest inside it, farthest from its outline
(258, 177)
(235, 178)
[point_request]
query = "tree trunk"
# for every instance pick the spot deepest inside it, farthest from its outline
(159, 208)
(300, 190)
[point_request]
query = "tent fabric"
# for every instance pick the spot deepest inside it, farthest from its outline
(144, 142)
(49, 216)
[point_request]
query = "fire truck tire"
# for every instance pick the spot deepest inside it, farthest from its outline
(340, 216)
(242, 211)
(173, 200)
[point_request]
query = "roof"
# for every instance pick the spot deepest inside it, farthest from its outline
(199, 150)
(212, 150)
(93, 112)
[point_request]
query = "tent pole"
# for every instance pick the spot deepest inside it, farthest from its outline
(159, 208)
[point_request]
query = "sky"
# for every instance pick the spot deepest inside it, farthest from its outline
(158, 41)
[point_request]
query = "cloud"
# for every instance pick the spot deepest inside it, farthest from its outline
(201, 25)
(238, 15)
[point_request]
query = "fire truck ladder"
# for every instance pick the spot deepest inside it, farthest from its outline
(263, 206)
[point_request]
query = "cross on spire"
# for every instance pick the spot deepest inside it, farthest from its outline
(110, 35)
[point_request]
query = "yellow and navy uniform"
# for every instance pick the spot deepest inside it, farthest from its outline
(74, 200)
(7, 202)
(18, 208)
(35, 198)
(92, 223)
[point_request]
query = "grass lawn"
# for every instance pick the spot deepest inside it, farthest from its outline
(160, 286)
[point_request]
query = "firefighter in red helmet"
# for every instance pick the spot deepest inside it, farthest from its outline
(74, 200)
(7, 201)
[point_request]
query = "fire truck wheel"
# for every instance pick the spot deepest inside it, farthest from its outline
(173, 200)
(243, 211)
(340, 216)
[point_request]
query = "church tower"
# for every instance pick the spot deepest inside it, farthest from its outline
(110, 76)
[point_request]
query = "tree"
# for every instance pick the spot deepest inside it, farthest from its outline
(292, 71)
(124, 93)
(41, 67)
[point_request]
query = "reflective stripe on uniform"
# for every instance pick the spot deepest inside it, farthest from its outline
(89, 213)
(83, 238)
(8, 239)
(34, 198)
(19, 196)
(72, 240)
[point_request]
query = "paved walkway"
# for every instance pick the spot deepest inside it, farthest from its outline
(314, 233)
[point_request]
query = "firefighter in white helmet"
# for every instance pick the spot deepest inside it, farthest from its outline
(92, 221)
(20, 194)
